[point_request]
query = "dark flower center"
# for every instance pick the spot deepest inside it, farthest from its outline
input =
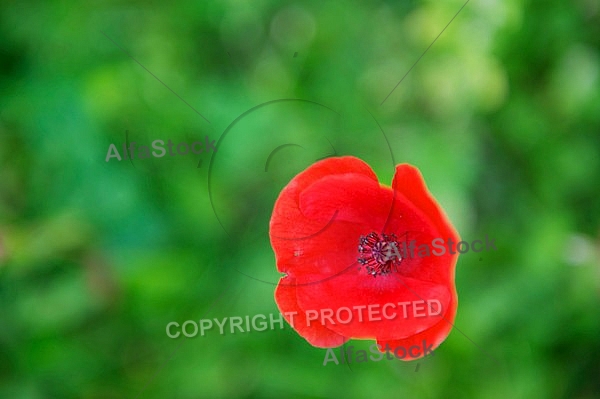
(379, 255)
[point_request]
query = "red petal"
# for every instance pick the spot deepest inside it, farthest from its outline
(433, 336)
(354, 198)
(409, 182)
(316, 334)
(293, 234)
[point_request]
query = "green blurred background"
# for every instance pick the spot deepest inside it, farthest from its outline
(501, 115)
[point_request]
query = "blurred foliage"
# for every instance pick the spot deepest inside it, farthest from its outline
(502, 116)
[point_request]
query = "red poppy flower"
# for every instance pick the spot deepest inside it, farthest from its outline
(342, 240)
